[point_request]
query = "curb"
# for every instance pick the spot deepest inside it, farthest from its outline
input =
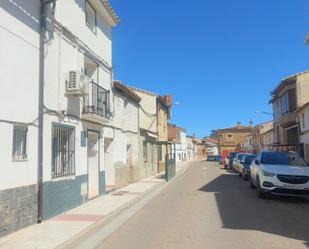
(75, 240)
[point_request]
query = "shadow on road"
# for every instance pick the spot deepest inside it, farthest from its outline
(240, 208)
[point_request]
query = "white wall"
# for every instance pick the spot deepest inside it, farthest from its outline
(124, 131)
(125, 114)
(61, 57)
(101, 42)
(19, 55)
(81, 159)
(19, 77)
(181, 148)
(149, 104)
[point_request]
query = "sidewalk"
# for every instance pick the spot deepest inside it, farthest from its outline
(57, 230)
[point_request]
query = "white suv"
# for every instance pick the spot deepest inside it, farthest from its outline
(279, 173)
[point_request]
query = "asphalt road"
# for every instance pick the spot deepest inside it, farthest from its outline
(208, 207)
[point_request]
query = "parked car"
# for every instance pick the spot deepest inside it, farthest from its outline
(219, 159)
(236, 162)
(279, 173)
(229, 160)
(211, 158)
(244, 166)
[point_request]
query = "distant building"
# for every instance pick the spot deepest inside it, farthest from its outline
(191, 148)
(122, 159)
(291, 94)
(148, 120)
(211, 147)
(200, 149)
(231, 138)
(257, 135)
(164, 104)
(177, 135)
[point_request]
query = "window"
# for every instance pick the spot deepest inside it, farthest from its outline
(303, 120)
(63, 150)
(90, 17)
(288, 102)
(284, 100)
(19, 143)
(145, 154)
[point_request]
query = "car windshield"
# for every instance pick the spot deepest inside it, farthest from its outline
(239, 156)
(282, 158)
(248, 159)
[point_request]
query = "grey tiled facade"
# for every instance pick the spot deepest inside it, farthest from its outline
(18, 208)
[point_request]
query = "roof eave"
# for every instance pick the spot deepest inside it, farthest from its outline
(114, 18)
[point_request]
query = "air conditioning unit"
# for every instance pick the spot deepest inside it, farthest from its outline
(76, 83)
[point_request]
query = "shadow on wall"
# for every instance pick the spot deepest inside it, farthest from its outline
(25, 12)
(74, 106)
(258, 214)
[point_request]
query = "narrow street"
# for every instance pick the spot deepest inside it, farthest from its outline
(208, 207)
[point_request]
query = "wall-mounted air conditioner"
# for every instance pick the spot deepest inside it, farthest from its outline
(76, 83)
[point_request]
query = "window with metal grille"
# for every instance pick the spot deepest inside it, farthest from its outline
(63, 150)
(19, 143)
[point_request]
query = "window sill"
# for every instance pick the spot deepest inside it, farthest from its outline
(62, 178)
(20, 160)
(93, 31)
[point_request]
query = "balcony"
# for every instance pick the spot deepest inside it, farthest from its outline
(96, 106)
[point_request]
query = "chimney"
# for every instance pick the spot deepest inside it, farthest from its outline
(167, 99)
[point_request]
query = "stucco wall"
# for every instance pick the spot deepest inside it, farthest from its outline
(122, 154)
(19, 76)
(101, 42)
(149, 104)
(302, 89)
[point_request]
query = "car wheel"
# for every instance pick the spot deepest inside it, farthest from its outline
(261, 194)
(251, 185)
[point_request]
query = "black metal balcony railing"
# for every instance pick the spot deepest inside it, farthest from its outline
(97, 101)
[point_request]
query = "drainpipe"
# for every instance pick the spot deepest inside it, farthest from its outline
(41, 107)
(41, 112)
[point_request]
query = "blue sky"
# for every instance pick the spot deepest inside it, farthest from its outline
(218, 58)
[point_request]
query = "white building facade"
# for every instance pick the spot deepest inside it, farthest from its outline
(148, 120)
(122, 157)
(19, 75)
(181, 147)
(78, 103)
